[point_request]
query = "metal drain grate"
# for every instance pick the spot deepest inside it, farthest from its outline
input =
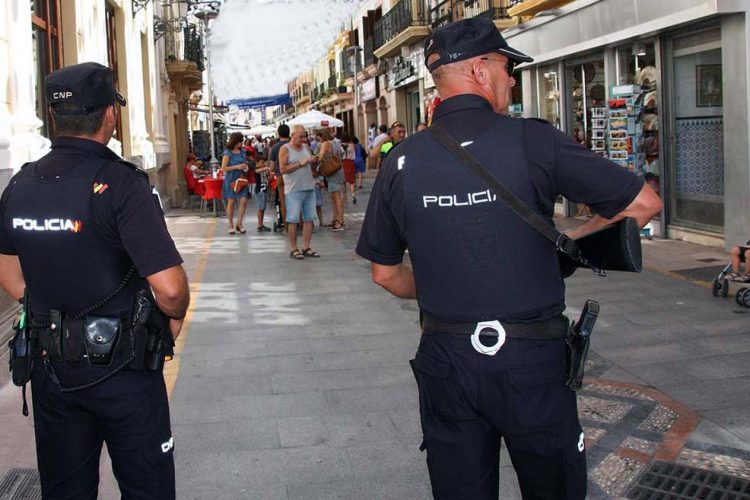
(665, 480)
(20, 484)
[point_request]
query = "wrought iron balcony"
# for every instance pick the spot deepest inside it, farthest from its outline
(441, 13)
(332, 83)
(485, 8)
(406, 22)
(369, 46)
(185, 45)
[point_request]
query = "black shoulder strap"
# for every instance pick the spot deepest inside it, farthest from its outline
(561, 241)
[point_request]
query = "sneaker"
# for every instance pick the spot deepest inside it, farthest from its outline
(734, 276)
(744, 278)
(263, 229)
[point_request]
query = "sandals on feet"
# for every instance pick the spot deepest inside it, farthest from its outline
(309, 252)
(296, 254)
(241, 230)
(337, 226)
(231, 232)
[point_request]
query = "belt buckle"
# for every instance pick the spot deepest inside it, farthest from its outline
(483, 349)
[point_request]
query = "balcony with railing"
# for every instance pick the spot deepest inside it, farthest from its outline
(528, 8)
(490, 9)
(441, 12)
(369, 47)
(185, 45)
(406, 23)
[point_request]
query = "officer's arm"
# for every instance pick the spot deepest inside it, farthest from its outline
(11, 277)
(398, 279)
(171, 291)
(643, 208)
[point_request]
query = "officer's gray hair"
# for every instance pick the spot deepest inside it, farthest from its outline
(76, 124)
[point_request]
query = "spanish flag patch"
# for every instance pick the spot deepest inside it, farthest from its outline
(99, 187)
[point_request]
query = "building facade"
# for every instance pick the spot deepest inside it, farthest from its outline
(639, 82)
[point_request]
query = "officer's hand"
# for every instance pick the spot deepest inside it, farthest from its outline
(175, 325)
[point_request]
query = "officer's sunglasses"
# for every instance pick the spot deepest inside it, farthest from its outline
(510, 66)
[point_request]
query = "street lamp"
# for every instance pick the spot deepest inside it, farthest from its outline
(356, 49)
(205, 14)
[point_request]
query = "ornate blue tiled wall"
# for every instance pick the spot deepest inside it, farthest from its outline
(700, 156)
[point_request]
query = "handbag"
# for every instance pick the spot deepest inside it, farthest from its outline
(239, 184)
(330, 166)
(616, 247)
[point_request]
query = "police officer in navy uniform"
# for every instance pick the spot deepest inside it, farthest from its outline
(82, 232)
(475, 261)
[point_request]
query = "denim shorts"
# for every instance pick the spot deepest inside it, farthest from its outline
(300, 201)
(318, 196)
(260, 199)
(335, 181)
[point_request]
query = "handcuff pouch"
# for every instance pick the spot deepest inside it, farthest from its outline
(100, 335)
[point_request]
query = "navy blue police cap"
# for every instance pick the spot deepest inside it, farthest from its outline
(465, 39)
(87, 86)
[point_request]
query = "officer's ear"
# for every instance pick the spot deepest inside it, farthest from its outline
(479, 70)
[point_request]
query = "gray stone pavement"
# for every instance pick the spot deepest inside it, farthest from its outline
(292, 380)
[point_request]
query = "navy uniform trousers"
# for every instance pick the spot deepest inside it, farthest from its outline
(468, 401)
(129, 412)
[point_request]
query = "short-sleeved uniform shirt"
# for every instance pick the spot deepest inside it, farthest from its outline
(473, 258)
(123, 210)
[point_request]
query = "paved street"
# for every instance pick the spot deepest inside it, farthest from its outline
(292, 379)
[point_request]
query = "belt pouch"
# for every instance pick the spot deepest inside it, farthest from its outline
(72, 340)
(100, 334)
(55, 327)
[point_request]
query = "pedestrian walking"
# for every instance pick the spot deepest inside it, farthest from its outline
(273, 162)
(349, 166)
(360, 157)
(328, 148)
(295, 160)
(478, 267)
(235, 188)
(83, 235)
(262, 171)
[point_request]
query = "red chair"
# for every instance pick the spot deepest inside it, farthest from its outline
(213, 192)
(194, 187)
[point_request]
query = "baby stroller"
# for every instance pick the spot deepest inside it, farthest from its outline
(721, 286)
(278, 224)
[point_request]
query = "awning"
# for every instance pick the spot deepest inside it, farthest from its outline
(262, 102)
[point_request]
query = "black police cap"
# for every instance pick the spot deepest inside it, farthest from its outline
(465, 39)
(87, 86)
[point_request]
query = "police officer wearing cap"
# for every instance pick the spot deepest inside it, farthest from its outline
(82, 233)
(476, 264)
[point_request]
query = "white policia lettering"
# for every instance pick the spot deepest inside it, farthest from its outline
(456, 200)
(165, 447)
(45, 225)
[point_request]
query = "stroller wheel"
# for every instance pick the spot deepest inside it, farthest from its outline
(715, 289)
(725, 288)
(740, 297)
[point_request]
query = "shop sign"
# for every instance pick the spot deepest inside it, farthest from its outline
(405, 69)
(368, 90)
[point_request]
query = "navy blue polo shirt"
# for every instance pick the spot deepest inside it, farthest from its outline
(473, 258)
(125, 214)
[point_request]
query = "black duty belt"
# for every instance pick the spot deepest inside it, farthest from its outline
(554, 328)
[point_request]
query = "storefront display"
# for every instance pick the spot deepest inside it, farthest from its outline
(548, 81)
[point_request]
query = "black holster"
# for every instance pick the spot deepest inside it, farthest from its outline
(21, 345)
(151, 328)
(577, 348)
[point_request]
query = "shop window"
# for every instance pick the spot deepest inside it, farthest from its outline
(47, 56)
(516, 96)
(548, 83)
(634, 113)
(697, 145)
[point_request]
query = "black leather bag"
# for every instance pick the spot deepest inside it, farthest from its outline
(613, 248)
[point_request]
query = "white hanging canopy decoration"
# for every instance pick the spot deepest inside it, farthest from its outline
(262, 130)
(257, 46)
(315, 119)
